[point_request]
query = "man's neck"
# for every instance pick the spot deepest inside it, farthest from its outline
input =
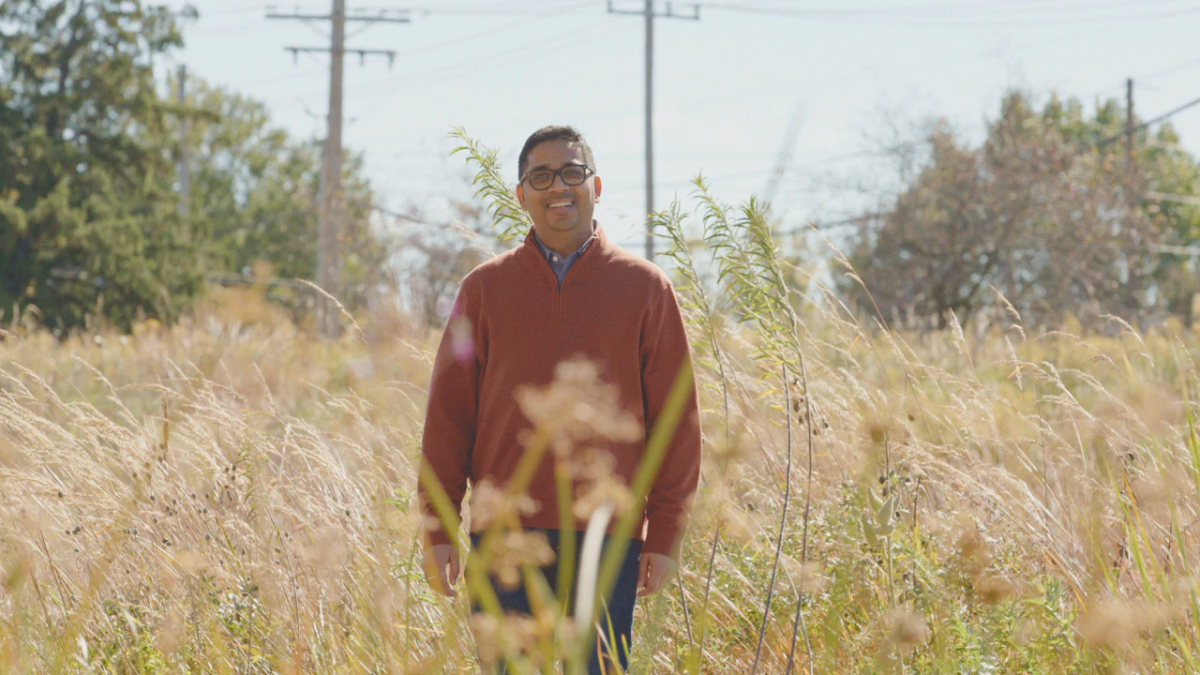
(564, 243)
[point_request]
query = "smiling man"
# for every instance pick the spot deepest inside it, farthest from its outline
(567, 292)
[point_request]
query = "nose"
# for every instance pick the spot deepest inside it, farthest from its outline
(558, 179)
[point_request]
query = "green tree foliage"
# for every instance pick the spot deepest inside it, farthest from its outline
(88, 216)
(1160, 168)
(90, 223)
(254, 196)
(1045, 211)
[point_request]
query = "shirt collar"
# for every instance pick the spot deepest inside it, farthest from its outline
(546, 252)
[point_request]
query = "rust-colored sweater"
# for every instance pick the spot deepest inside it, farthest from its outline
(511, 325)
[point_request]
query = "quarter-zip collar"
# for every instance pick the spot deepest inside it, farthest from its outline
(531, 253)
(559, 263)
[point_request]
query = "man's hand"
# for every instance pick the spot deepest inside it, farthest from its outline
(654, 573)
(442, 568)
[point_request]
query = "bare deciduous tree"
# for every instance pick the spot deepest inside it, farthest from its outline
(438, 253)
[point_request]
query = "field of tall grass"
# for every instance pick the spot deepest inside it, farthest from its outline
(231, 495)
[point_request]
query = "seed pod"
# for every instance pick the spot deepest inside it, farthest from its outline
(886, 529)
(876, 502)
(869, 531)
(883, 517)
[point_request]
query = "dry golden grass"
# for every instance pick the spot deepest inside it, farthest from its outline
(232, 496)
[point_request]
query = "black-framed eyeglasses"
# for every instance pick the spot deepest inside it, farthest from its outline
(571, 174)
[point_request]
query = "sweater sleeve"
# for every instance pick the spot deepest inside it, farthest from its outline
(665, 351)
(450, 416)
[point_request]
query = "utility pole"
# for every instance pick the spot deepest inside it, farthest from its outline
(1129, 129)
(328, 254)
(328, 251)
(650, 14)
(185, 172)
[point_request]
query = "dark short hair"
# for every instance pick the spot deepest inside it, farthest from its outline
(553, 133)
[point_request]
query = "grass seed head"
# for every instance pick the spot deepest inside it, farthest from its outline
(577, 407)
(994, 589)
(490, 504)
(1124, 624)
(517, 548)
(906, 630)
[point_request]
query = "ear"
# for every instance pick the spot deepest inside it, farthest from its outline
(599, 187)
(521, 196)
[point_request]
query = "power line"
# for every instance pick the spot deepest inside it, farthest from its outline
(444, 72)
(709, 101)
(473, 66)
(469, 37)
(1151, 76)
(876, 16)
(229, 29)
(835, 159)
(226, 11)
(1168, 70)
(1143, 125)
(978, 9)
(493, 9)
(277, 78)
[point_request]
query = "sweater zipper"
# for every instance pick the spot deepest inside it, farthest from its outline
(559, 290)
(560, 287)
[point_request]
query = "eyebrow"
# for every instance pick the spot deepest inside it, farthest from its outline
(543, 167)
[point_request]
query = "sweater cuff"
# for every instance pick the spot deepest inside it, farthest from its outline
(663, 535)
(436, 537)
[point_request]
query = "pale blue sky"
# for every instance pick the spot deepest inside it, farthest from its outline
(727, 86)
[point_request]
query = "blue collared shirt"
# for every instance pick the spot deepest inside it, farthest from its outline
(558, 263)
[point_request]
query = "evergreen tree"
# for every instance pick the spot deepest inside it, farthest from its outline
(88, 212)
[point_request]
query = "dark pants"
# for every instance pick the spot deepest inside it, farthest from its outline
(616, 622)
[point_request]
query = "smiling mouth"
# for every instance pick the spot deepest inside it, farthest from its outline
(561, 204)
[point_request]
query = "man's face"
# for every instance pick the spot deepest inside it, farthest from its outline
(560, 208)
